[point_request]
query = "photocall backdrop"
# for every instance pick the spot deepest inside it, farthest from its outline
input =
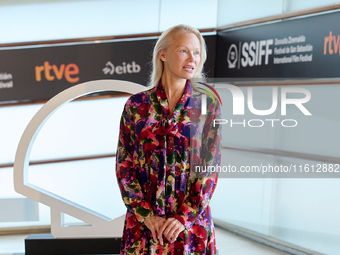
(39, 73)
(306, 47)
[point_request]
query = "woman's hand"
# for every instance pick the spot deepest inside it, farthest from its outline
(170, 229)
(154, 223)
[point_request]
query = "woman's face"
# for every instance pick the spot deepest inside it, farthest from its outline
(182, 57)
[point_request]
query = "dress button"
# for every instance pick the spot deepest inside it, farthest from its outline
(194, 200)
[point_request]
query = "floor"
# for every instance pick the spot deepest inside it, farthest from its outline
(231, 244)
(227, 243)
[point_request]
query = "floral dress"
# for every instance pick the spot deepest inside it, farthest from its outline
(156, 156)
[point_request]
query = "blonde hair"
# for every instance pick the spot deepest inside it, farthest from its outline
(163, 43)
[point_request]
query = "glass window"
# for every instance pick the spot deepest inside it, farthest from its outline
(82, 128)
(54, 20)
(14, 120)
(200, 13)
(302, 211)
(231, 11)
(299, 5)
(89, 183)
(7, 192)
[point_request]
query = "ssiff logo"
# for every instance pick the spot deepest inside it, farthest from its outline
(232, 56)
(254, 53)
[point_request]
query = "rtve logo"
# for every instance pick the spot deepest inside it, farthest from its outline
(69, 71)
(333, 43)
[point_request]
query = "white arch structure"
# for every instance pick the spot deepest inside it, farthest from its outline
(99, 225)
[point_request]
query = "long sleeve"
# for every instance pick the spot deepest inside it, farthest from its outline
(129, 185)
(201, 185)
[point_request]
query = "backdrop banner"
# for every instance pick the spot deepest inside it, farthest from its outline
(40, 72)
(307, 47)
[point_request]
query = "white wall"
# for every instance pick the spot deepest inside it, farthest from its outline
(301, 209)
(40, 20)
(26, 21)
(231, 11)
(79, 129)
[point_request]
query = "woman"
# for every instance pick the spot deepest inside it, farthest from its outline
(160, 142)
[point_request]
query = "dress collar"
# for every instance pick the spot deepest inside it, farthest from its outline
(163, 100)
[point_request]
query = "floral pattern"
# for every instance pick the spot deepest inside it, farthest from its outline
(156, 158)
